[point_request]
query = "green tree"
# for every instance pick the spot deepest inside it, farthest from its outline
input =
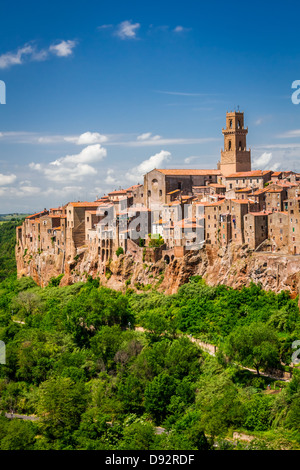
(61, 402)
(158, 394)
(254, 345)
(19, 435)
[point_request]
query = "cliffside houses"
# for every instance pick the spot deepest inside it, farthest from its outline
(188, 209)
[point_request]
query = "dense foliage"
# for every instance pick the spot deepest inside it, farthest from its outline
(76, 362)
(7, 247)
(85, 378)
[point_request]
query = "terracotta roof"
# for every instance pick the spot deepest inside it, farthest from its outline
(270, 190)
(133, 187)
(85, 204)
(217, 185)
(243, 201)
(187, 223)
(260, 191)
(260, 213)
(172, 192)
(249, 174)
(37, 214)
(277, 173)
(206, 204)
(280, 212)
(188, 172)
(243, 190)
(120, 191)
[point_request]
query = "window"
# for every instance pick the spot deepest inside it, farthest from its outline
(230, 123)
(149, 193)
(229, 145)
(160, 192)
(230, 186)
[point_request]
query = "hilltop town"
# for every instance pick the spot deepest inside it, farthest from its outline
(173, 215)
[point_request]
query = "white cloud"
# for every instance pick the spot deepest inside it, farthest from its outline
(35, 166)
(72, 167)
(157, 140)
(30, 52)
(62, 174)
(155, 161)
(15, 58)
(189, 160)
(7, 179)
(148, 136)
(63, 48)
(144, 136)
(105, 26)
(275, 166)
(110, 179)
(180, 29)
(27, 191)
(87, 138)
(290, 134)
(262, 161)
(90, 154)
(127, 30)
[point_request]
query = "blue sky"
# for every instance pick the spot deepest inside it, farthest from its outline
(98, 93)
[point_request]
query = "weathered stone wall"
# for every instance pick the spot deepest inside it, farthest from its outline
(233, 266)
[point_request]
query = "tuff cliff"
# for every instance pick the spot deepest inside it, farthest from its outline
(235, 266)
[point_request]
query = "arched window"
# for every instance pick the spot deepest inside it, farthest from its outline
(239, 124)
(240, 144)
(230, 123)
(229, 145)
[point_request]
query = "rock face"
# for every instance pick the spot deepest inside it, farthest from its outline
(235, 266)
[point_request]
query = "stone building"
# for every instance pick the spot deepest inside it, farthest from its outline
(230, 204)
(255, 228)
(159, 183)
(278, 230)
(294, 226)
(235, 157)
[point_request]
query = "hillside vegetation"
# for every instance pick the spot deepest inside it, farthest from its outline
(7, 247)
(75, 361)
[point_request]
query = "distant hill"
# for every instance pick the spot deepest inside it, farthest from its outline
(7, 245)
(8, 217)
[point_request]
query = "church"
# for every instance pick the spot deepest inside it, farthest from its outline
(162, 186)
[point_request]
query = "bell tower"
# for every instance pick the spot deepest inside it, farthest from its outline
(235, 157)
